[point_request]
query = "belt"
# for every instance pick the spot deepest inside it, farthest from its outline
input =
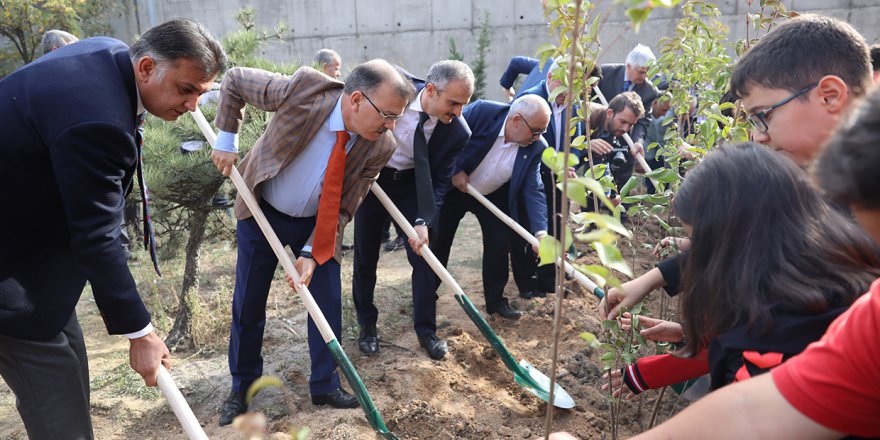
(397, 175)
(269, 208)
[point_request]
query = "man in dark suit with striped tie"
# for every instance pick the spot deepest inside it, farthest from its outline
(68, 159)
(429, 136)
(323, 148)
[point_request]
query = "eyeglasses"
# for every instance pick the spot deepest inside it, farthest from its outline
(384, 116)
(534, 132)
(759, 119)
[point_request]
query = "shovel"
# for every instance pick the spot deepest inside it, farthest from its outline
(569, 269)
(639, 158)
(181, 409)
(342, 360)
(524, 373)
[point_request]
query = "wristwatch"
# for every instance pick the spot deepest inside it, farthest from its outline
(420, 222)
(306, 254)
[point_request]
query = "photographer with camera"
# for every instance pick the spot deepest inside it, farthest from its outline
(607, 142)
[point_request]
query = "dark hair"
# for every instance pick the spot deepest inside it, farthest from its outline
(763, 240)
(847, 169)
(800, 52)
(181, 38)
(875, 57)
(369, 76)
(630, 100)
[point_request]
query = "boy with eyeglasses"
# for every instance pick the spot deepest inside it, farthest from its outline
(797, 84)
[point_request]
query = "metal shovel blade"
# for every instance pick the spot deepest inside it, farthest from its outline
(538, 384)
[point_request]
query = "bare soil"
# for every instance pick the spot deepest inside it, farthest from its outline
(468, 395)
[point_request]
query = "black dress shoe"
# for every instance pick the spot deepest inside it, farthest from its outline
(533, 294)
(233, 406)
(507, 311)
(368, 341)
(435, 346)
(395, 244)
(337, 399)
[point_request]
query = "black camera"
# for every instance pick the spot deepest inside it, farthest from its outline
(618, 158)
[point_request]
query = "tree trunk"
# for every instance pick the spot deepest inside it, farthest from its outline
(180, 337)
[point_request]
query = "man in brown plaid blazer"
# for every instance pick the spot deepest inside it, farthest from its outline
(285, 171)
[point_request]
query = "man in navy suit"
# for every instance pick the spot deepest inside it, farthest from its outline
(67, 162)
(502, 162)
(531, 280)
(519, 65)
(433, 123)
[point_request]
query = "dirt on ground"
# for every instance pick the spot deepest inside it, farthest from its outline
(468, 395)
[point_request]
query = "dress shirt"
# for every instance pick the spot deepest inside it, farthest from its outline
(296, 190)
(404, 132)
(497, 167)
(557, 119)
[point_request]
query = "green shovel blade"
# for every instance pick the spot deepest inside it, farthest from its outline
(524, 373)
(363, 396)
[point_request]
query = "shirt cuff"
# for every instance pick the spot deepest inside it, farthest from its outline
(227, 142)
(307, 248)
(536, 234)
(146, 330)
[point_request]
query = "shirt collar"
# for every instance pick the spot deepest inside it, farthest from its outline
(335, 122)
(416, 105)
(140, 105)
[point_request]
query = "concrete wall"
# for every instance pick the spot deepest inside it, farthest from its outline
(415, 33)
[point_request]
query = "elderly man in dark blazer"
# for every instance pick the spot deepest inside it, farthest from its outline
(502, 162)
(71, 148)
(631, 77)
(310, 170)
(429, 137)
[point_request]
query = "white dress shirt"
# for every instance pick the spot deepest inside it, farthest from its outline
(404, 133)
(557, 118)
(497, 167)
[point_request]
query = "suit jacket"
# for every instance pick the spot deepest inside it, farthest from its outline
(550, 135)
(611, 85)
(446, 143)
(301, 102)
(66, 163)
(531, 67)
(485, 119)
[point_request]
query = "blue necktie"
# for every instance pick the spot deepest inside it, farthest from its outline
(627, 84)
(149, 239)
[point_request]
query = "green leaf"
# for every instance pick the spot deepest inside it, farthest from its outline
(628, 186)
(611, 257)
(548, 250)
(578, 194)
(590, 338)
(259, 384)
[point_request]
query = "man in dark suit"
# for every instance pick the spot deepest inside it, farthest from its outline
(323, 148)
(631, 77)
(429, 137)
(519, 65)
(533, 281)
(70, 151)
(502, 162)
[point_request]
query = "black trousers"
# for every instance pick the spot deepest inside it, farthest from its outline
(368, 227)
(50, 380)
(496, 240)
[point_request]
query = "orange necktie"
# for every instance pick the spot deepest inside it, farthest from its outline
(328, 207)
